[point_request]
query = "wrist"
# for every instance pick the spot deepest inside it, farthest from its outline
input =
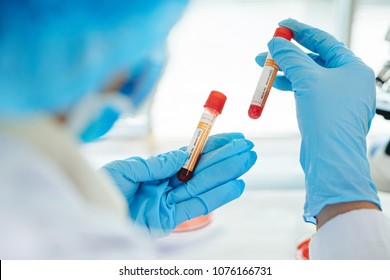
(332, 210)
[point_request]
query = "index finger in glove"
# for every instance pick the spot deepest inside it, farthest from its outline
(280, 82)
(332, 51)
(233, 148)
(214, 176)
(229, 150)
(218, 140)
(297, 66)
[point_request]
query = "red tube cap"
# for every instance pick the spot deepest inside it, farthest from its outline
(216, 101)
(284, 33)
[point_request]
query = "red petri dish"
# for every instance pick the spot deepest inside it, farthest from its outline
(302, 252)
(194, 224)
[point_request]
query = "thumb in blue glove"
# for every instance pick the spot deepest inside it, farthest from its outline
(335, 103)
(159, 202)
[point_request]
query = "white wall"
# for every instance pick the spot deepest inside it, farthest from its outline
(214, 46)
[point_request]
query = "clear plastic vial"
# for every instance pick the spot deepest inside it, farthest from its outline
(213, 108)
(267, 78)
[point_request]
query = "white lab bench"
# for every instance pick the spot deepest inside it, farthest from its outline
(261, 224)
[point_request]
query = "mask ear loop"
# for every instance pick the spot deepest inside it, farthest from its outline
(90, 106)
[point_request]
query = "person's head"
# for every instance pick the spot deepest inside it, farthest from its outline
(52, 53)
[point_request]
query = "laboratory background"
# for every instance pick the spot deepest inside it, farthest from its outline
(214, 47)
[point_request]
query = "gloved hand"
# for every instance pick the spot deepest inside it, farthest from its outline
(158, 201)
(335, 103)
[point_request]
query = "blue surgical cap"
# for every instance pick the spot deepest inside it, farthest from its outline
(54, 51)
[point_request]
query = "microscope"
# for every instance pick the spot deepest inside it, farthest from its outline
(383, 86)
(379, 156)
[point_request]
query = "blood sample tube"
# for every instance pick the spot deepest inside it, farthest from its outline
(213, 107)
(267, 78)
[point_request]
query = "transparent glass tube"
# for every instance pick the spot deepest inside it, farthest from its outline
(197, 143)
(267, 78)
(213, 108)
(263, 87)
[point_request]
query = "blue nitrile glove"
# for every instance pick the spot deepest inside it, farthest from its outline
(335, 103)
(158, 201)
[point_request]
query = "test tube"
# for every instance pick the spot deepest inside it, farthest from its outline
(267, 78)
(212, 108)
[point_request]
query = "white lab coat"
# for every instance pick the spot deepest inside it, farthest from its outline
(54, 206)
(360, 234)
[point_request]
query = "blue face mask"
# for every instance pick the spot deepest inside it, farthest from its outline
(103, 123)
(95, 114)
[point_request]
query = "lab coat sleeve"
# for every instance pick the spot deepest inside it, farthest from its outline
(44, 216)
(359, 234)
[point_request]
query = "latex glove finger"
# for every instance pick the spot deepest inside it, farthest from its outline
(317, 59)
(137, 169)
(297, 66)
(234, 147)
(280, 82)
(218, 140)
(208, 201)
(214, 176)
(333, 52)
(261, 57)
